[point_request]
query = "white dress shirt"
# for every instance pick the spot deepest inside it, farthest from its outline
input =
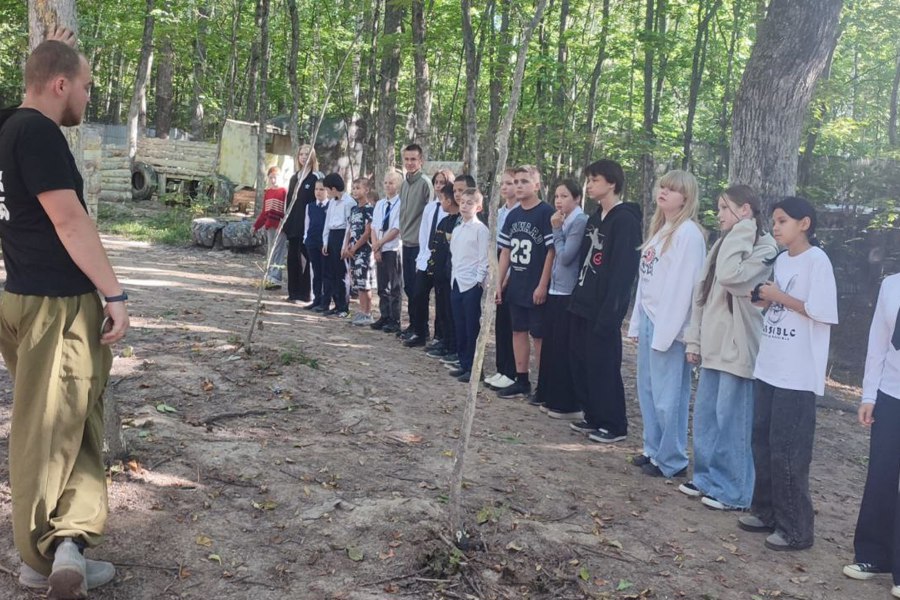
(469, 247)
(426, 228)
(882, 359)
(393, 221)
(338, 216)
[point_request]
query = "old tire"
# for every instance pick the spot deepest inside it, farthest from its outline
(205, 231)
(143, 181)
(218, 190)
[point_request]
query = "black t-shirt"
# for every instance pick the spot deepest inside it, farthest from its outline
(35, 158)
(528, 235)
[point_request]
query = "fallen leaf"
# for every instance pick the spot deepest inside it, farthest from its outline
(215, 557)
(730, 547)
(514, 547)
(624, 584)
(165, 408)
(207, 385)
(203, 540)
(355, 554)
(584, 574)
(265, 505)
(614, 544)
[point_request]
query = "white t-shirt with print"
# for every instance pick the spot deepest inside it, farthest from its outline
(793, 351)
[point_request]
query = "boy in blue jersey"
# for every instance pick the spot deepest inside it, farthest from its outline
(526, 261)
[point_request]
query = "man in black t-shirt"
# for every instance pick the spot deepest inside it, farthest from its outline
(53, 334)
(526, 261)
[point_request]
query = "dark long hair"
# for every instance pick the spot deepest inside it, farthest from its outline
(740, 195)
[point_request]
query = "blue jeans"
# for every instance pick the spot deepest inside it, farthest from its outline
(664, 392)
(466, 308)
(723, 429)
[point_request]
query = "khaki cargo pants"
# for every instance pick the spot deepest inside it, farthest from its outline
(59, 369)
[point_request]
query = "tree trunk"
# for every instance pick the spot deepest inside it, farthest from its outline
(386, 123)
(254, 69)
(561, 84)
(292, 76)
(488, 308)
(368, 92)
(892, 112)
(262, 17)
(727, 100)
(791, 50)
(804, 164)
(470, 155)
(165, 93)
(590, 135)
(199, 71)
(422, 125)
(647, 165)
(138, 98)
(231, 104)
(43, 14)
(697, 66)
(498, 84)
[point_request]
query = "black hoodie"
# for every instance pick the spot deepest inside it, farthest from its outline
(609, 265)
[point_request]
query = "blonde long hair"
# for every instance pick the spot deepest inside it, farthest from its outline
(685, 184)
(313, 159)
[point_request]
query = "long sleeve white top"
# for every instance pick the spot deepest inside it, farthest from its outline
(425, 229)
(338, 216)
(882, 359)
(469, 247)
(666, 284)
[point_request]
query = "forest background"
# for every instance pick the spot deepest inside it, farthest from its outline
(651, 83)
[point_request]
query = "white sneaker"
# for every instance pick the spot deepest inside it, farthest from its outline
(68, 577)
(366, 320)
(98, 572)
(502, 382)
(492, 379)
(895, 591)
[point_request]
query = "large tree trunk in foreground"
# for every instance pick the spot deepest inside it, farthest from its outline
(791, 51)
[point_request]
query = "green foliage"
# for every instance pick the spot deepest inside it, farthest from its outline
(848, 115)
(171, 227)
(293, 355)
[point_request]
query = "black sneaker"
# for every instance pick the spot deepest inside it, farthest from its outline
(331, 312)
(604, 436)
(415, 341)
(689, 489)
(516, 390)
(863, 571)
(391, 327)
(379, 324)
(639, 460)
(435, 344)
(458, 372)
(403, 334)
(534, 399)
(436, 353)
(321, 309)
(582, 427)
(654, 471)
(465, 377)
(449, 359)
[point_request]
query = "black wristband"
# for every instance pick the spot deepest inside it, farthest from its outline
(120, 298)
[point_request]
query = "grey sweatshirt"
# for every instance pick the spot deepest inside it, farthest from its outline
(415, 193)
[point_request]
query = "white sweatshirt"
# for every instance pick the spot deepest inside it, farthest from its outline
(666, 284)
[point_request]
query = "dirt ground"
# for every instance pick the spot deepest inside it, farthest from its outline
(317, 467)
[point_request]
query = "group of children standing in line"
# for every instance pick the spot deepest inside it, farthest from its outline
(755, 320)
